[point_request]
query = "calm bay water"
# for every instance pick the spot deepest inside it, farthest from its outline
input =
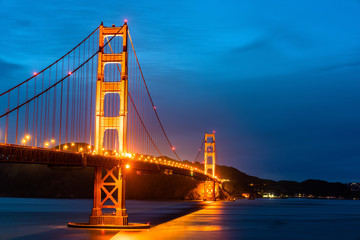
(24, 218)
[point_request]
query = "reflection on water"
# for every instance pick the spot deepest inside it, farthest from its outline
(243, 219)
(262, 219)
(202, 221)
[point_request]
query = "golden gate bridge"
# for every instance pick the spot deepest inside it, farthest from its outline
(92, 108)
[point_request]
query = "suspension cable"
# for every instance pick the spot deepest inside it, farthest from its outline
(202, 144)
(152, 103)
(137, 112)
(50, 64)
(55, 84)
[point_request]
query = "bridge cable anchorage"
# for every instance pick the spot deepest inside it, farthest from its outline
(34, 76)
(137, 112)
(152, 103)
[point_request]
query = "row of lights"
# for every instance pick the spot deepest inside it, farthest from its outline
(170, 163)
(27, 138)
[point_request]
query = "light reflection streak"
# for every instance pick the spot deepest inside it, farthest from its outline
(206, 221)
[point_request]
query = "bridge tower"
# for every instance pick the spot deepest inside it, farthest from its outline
(209, 164)
(109, 184)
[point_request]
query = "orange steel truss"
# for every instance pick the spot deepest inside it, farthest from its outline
(109, 193)
(209, 191)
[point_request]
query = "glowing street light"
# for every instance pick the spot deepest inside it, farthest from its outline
(66, 147)
(46, 144)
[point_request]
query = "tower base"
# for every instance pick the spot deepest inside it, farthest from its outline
(129, 226)
(108, 220)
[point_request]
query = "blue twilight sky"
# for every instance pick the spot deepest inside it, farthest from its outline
(279, 81)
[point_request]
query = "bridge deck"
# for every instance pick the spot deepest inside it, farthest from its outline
(10, 153)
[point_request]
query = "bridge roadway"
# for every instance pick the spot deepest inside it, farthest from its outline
(11, 153)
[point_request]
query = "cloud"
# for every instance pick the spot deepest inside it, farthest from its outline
(354, 64)
(257, 43)
(8, 71)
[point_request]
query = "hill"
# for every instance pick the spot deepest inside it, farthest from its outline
(26, 180)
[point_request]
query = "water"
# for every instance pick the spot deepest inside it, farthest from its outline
(23, 218)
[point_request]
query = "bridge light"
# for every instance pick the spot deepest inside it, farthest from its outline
(52, 140)
(69, 73)
(127, 166)
(23, 141)
(173, 148)
(89, 147)
(72, 144)
(66, 147)
(35, 73)
(81, 149)
(46, 144)
(125, 20)
(155, 107)
(27, 137)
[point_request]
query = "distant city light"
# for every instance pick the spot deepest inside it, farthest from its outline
(127, 166)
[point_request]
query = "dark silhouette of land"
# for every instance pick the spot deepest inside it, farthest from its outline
(26, 180)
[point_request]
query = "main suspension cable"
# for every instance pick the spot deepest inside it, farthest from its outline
(50, 64)
(152, 103)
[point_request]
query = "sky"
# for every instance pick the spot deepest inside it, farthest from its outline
(279, 81)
